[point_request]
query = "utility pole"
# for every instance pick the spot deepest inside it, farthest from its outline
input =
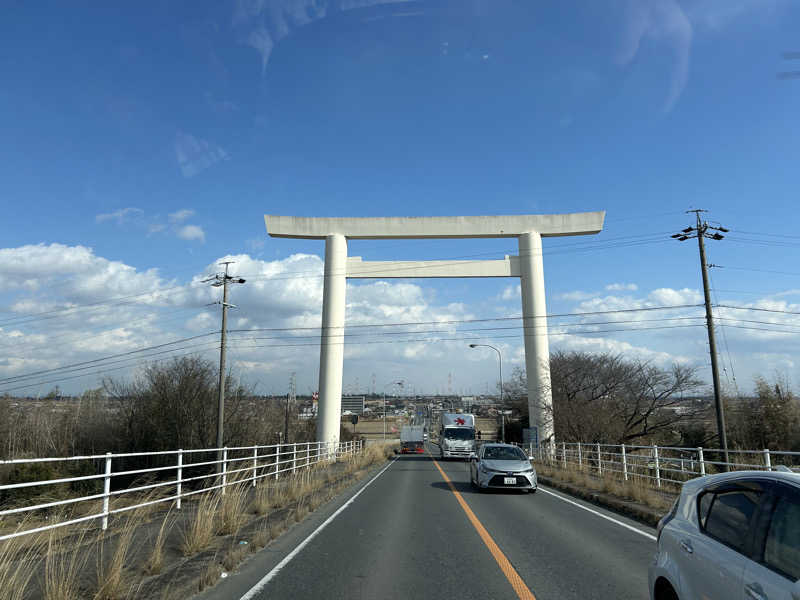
(222, 280)
(700, 231)
(290, 400)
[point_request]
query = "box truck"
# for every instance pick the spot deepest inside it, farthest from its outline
(412, 439)
(457, 435)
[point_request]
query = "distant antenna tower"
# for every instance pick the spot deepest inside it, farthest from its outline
(357, 388)
(449, 384)
(373, 384)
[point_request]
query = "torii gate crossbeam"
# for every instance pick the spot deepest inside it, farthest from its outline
(528, 229)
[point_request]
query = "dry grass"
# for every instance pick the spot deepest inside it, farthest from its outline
(234, 556)
(636, 489)
(19, 559)
(231, 510)
(111, 572)
(63, 565)
(260, 504)
(276, 529)
(210, 576)
(62, 556)
(155, 562)
(301, 510)
(259, 539)
(197, 536)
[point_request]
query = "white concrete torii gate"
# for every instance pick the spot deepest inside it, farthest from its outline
(529, 229)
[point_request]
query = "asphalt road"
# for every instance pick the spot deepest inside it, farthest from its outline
(406, 535)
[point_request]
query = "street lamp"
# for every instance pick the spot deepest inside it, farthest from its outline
(400, 383)
(500, 360)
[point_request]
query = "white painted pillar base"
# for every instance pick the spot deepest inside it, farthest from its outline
(537, 347)
(331, 355)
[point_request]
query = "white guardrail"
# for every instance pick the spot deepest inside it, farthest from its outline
(668, 464)
(251, 463)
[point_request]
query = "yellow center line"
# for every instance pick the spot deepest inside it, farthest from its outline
(523, 593)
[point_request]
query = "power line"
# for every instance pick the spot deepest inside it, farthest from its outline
(131, 363)
(96, 360)
(95, 332)
(484, 320)
(753, 308)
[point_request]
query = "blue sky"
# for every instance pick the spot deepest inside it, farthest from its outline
(143, 144)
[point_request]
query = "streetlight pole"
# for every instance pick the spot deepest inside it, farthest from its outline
(500, 362)
(400, 383)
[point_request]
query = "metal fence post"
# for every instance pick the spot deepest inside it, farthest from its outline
(624, 464)
(658, 469)
(767, 460)
(224, 468)
(277, 459)
(294, 457)
(255, 465)
(580, 458)
(180, 478)
(106, 490)
(564, 454)
(599, 460)
(700, 459)
(308, 453)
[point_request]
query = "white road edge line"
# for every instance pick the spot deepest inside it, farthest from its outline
(277, 568)
(599, 514)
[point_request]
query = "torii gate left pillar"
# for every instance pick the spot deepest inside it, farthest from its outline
(529, 229)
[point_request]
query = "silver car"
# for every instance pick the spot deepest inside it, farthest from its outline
(734, 536)
(502, 466)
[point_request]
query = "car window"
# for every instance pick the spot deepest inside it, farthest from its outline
(501, 453)
(729, 516)
(702, 508)
(782, 547)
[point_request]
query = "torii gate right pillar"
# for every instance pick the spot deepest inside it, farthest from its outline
(534, 324)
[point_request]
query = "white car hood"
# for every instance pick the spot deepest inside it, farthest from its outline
(506, 466)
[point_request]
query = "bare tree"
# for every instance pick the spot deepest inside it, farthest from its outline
(612, 399)
(767, 420)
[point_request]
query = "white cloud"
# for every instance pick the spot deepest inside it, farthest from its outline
(195, 155)
(280, 306)
(191, 232)
(120, 216)
(670, 297)
(716, 15)
(622, 287)
(577, 295)
(511, 292)
(181, 215)
(662, 21)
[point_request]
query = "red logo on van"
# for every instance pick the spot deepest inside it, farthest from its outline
(460, 421)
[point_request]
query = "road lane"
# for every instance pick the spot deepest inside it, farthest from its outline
(402, 538)
(560, 550)
(406, 536)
